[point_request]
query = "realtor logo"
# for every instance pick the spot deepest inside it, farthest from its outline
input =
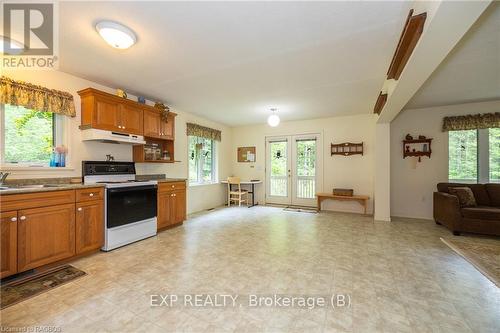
(29, 35)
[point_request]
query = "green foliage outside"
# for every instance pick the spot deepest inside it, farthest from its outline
(463, 155)
(494, 139)
(306, 158)
(278, 159)
(28, 135)
(201, 153)
(462, 158)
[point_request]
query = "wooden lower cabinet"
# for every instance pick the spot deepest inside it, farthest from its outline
(171, 207)
(164, 210)
(89, 226)
(45, 235)
(178, 206)
(8, 243)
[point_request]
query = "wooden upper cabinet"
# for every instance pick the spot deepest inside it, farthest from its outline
(45, 235)
(106, 115)
(131, 119)
(152, 124)
(109, 112)
(89, 226)
(8, 243)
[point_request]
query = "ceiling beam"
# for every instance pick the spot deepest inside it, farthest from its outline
(447, 23)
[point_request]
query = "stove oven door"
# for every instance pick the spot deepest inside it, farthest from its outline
(130, 204)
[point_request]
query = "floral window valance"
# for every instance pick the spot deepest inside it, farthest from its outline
(203, 132)
(468, 122)
(37, 98)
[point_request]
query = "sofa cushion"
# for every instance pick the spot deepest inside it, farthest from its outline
(481, 213)
(479, 190)
(494, 193)
(465, 196)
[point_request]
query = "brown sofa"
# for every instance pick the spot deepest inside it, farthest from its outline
(483, 219)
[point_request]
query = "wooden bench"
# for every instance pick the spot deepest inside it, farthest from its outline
(362, 199)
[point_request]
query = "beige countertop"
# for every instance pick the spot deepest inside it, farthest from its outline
(20, 189)
(60, 184)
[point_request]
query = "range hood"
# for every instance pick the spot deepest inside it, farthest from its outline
(93, 134)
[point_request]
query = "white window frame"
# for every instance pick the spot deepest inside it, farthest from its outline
(483, 158)
(60, 124)
(214, 178)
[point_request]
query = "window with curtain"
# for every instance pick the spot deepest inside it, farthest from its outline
(28, 135)
(31, 121)
(202, 153)
(473, 148)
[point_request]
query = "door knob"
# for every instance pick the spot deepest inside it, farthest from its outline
(14, 219)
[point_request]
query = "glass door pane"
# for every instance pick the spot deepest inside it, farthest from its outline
(306, 168)
(279, 173)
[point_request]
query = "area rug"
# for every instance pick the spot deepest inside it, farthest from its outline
(485, 256)
(18, 291)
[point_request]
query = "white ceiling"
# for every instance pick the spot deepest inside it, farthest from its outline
(231, 61)
(471, 72)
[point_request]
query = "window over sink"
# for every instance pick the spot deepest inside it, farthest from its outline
(27, 136)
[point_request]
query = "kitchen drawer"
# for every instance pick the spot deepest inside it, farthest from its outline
(37, 199)
(90, 194)
(171, 186)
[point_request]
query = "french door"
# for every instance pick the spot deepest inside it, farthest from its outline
(292, 169)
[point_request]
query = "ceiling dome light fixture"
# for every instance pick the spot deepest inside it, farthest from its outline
(116, 35)
(273, 120)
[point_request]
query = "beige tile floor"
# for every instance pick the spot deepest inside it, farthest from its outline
(400, 278)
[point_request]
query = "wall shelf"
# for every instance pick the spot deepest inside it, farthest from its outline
(417, 148)
(347, 149)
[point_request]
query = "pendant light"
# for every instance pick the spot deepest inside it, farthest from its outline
(273, 120)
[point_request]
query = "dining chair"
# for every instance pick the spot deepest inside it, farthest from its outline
(235, 195)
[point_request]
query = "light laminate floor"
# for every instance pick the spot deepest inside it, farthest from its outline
(399, 276)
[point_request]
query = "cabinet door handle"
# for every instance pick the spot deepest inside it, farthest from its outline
(13, 219)
(91, 194)
(79, 209)
(173, 186)
(22, 218)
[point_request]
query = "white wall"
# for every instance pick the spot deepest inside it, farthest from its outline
(413, 184)
(338, 171)
(382, 172)
(199, 198)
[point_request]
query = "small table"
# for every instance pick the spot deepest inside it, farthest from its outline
(362, 199)
(252, 183)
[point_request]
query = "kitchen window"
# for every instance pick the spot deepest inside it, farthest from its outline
(202, 156)
(474, 156)
(27, 136)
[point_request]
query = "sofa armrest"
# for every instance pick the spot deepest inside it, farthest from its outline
(447, 210)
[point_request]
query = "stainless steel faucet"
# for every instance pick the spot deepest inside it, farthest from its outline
(3, 176)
